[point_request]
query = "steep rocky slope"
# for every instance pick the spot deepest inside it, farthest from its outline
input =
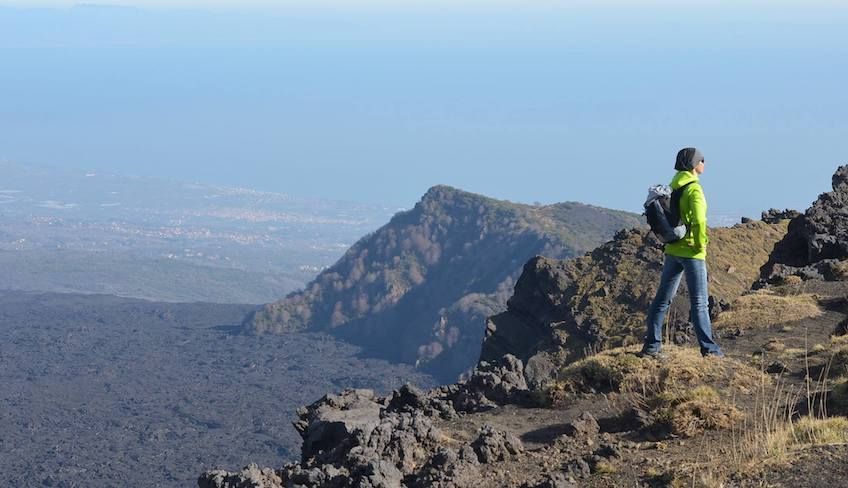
(419, 289)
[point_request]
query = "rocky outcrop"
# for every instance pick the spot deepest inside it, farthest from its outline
(493, 445)
(774, 216)
(492, 383)
(582, 450)
(449, 468)
(359, 439)
(352, 439)
(554, 480)
(333, 424)
(583, 427)
(251, 476)
(816, 244)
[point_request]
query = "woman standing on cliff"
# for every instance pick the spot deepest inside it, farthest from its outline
(686, 256)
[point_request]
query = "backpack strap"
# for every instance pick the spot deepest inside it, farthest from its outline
(675, 203)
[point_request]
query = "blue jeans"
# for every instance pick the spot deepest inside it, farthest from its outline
(696, 280)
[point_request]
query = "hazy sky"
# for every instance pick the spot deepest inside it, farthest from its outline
(266, 4)
(377, 101)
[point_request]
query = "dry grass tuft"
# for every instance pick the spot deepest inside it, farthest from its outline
(620, 370)
(605, 467)
(764, 308)
(681, 391)
(795, 352)
(692, 412)
(791, 280)
(809, 431)
(658, 477)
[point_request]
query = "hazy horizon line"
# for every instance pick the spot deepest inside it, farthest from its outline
(284, 5)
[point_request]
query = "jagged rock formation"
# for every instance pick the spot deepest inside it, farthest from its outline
(419, 289)
(816, 244)
(562, 309)
(773, 215)
(358, 439)
(252, 476)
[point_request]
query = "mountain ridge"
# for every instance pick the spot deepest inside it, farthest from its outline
(419, 289)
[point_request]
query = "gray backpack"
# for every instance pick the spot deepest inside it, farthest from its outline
(662, 209)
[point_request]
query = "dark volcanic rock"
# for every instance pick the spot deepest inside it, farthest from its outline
(816, 242)
(584, 427)
(408, 399)
(841, 328)
(494, 445)
(499, 380)
(405, 439)
(777, 367)
(359, 439)
(579, 468)
(435, 403)
(540, 371)
(376, 473)
(448, 469)
(773, 215)
(536, 309)
(717, 306)
(329, 425)
(352, 439)
(556, 480)
(491, 384)
(249, 477)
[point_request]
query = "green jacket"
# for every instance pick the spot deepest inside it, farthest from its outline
(693, 213)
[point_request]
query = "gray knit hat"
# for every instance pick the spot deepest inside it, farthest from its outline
(688, 158)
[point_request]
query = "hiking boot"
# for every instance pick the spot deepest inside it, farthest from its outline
(651, 355)
(717, 354)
